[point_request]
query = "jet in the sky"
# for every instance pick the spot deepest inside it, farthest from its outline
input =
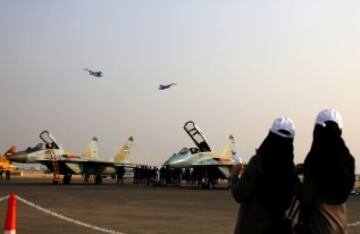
(97, 74)
(209, 164)
(163, 87)
(61, 162)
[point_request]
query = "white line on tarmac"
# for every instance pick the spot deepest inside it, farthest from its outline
(4, 198)
(354, 224)
(67, 219)
(93, 227)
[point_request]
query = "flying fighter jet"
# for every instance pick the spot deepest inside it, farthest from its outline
(96, 74)
(163, 87)
(61, 162)
(210, 164)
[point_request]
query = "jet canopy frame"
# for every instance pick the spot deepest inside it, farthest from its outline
(196, 135)
(49, 140)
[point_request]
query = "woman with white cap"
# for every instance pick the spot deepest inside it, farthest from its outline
(328, 178)
(267, 185)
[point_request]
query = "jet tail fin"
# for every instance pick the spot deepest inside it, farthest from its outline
(123, 154)
(92, 150)
(10, 151)
(230, 151)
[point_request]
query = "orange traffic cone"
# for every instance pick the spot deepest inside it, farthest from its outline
(10, 222)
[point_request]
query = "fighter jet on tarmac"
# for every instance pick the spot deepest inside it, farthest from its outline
(5, 165)
(212, 165)
(96, 74)
(60, 162)
(163, 87)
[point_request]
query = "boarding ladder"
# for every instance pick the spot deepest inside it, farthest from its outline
(55, 164)
(51, 145)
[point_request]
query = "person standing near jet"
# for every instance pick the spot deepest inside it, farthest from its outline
(120, 171)
(7, 175)
(329, 176)
(268, 184)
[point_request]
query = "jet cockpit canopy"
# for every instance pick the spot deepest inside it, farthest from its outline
(37, 147)
(197, 136)
(184, 151)
(192, 150)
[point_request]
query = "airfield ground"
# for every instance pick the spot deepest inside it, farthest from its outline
(127, 208)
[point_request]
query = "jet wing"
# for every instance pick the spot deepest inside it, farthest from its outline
(80, 166)
(127, 164)
(213, 163)
(223, 169)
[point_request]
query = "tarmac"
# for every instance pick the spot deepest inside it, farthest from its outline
(127, 208)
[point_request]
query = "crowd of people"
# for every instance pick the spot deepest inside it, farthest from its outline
(192, 176)
(145, 175)
(272, 197)
(169, 176)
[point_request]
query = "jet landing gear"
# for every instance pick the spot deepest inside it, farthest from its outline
(207, 184)
(67, 179)
(98, 179)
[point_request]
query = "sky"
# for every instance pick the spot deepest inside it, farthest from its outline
(238, 65)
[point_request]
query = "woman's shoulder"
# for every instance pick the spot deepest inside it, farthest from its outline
(255, 163)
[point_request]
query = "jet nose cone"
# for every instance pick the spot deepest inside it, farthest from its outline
(18, 157)
(174, 161)
(166, 163)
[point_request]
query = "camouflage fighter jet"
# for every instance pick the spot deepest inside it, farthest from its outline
(97, 74)
(61, 162)
(163, 87)
(209, 164)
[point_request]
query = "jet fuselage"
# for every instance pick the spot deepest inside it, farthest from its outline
(186, 159)
(68, 164)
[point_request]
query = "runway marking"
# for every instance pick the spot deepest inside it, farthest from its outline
(67, 219)
(4, 198)
(93, 227)
(354, 224)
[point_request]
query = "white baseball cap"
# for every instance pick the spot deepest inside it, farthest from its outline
(283, 127)
(329, 115)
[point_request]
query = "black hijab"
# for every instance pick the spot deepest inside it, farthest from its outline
(278, 179)
(329, 163)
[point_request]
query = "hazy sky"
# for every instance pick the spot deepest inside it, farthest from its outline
(238, 65)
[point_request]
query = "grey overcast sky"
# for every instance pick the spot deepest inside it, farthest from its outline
(238, 65)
